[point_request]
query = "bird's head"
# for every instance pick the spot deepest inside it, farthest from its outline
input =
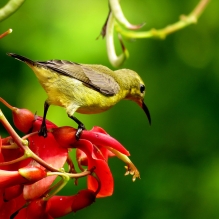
(135, 88)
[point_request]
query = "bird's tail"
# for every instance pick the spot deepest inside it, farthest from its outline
(21, 58)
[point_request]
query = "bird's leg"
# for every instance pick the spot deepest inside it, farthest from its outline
(43, 129)
(81, 126)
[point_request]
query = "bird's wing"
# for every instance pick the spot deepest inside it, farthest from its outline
(105, 83)
(92, 78)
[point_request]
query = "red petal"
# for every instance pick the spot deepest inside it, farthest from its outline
(10, 207)
(35, 210)
(59, 206)
(38, 121)
(12, 155)
(6, 141)
(103, 140)
(12, 192)
(99, 129)
(21, 214)
(0, 144)
(83, 199)
(50, 151)
(101, 169)
(81, 157)
(10, 178)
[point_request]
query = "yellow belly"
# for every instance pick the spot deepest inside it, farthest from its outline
(73, 95)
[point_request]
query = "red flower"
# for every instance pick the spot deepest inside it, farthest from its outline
(93, 150)
(22, 176)
(59, 206)
(36, 209)
(29, 166)
(8, 208)
(50, 151)
(102, 169)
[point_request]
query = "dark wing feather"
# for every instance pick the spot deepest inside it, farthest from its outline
(94, 79)
(104, 82)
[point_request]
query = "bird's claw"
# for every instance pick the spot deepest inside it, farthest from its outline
(79, 131)
(43, 131)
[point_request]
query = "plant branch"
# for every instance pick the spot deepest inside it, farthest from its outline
(10, 8)
(113, 58)
(162, 33)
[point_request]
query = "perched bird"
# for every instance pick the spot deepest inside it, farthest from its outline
(85, 88)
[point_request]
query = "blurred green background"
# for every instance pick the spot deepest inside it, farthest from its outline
(178, 156)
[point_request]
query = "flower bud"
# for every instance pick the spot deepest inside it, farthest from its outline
(65, 136)
(24, 175)
(32, 174)
(23, 119)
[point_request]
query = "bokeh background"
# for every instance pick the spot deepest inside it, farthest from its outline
(178, 156)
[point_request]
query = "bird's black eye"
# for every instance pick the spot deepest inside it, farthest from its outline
(142, 88)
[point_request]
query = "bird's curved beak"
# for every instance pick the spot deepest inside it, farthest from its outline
(146, 110)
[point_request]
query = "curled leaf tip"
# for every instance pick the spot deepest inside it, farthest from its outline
(120, 17)
(103, 30)
(115, 60)
(136, 27)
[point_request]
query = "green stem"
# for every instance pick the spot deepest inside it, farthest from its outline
(115, 60)
(65, 178)
(59, 185)
(20, 142)
(23, 157)
(71, 167)
(10, 8)
(162, 33)
(12, 146)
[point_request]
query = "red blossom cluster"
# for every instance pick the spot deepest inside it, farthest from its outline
(30, 164)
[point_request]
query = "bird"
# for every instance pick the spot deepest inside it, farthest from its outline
(84, 88)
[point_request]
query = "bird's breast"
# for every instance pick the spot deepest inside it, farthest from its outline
(73, 95)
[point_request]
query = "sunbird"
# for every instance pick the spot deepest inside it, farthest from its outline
(84, 88)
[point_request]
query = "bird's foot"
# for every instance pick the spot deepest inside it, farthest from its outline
(81, 127)
(43, 131)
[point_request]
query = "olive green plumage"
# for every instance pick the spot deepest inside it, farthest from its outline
(86, 88)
